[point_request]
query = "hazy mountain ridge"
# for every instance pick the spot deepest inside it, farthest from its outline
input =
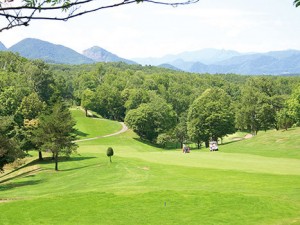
(206, 56)
(227, 61)
(168, 66)
(203, 61)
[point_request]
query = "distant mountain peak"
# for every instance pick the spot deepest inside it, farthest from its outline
(38, 49)
(99, 54)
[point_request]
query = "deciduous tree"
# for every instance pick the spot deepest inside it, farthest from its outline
(42, 79)
(180, 131)
(294, 104)
(31, 106)
(284, 119)
(210, 116)
(151, 119)
(258, 105)
(9, 147)
(87, 100)
(109, 102)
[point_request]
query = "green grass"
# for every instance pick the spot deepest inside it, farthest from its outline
(93, 127)
(245, 183)
(282, 144)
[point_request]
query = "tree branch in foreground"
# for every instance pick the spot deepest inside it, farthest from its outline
(21, 13)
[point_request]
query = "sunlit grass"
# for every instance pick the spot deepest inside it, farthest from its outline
(283, 144)
(246, 182)
(88, 127)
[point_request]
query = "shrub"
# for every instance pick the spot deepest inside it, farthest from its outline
(110, 152)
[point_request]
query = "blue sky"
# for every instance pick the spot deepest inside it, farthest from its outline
(148, 30)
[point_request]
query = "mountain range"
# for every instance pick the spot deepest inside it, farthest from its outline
(227, 61)
(38, 49)
(203, 61)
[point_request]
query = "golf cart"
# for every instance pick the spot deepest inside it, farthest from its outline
(213, 146)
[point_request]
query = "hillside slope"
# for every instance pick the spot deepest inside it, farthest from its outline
(283, 144)
(148, 185)
(37, 49)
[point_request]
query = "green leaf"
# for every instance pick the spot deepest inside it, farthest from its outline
(297, 3)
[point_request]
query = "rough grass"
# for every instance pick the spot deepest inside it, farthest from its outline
(147, 185)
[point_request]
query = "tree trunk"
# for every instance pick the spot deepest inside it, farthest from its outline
(40, 156)
(110, 159)
(206, 143)
(56, 161)
(86, 113)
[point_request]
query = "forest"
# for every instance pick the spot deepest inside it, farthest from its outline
(161, 105)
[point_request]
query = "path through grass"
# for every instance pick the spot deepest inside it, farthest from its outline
(148, 185)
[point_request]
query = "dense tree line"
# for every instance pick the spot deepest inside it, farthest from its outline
(29, 97)
(160, 105)
(163, 105)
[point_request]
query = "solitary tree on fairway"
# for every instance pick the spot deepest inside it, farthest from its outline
(110, 153)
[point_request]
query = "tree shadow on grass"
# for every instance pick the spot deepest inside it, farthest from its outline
(147, 142)
(168, 147)
(9, 186)
(50, 160)
(81, 167)
(79, 133)
(45, 161)
(61, 159)
(24, 174)
(233, 141)
(31, 163)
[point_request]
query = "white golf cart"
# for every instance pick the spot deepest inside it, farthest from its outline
(213, 146)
